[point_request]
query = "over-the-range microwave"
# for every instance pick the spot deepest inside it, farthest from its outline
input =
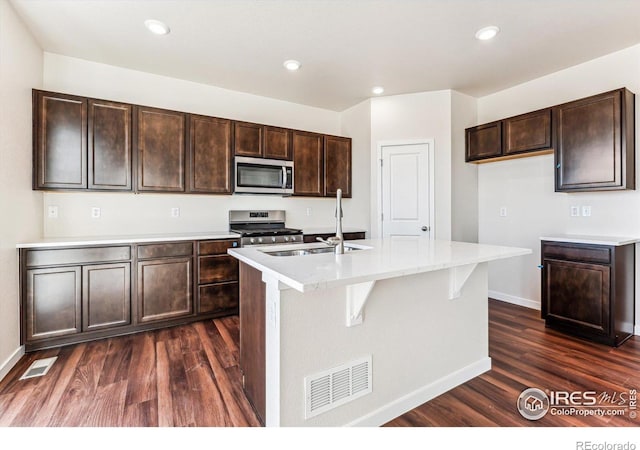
(263, 176)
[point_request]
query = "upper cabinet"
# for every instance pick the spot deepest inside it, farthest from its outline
(595, 143)
(60, 141)
(248, 139)
(510, 138)
(210, 155)
(308, 156)
(109, 138)
(277, 143)
(160, 146)
(337, 166)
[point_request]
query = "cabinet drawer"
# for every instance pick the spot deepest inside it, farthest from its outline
(217, 247)
(215, 269)
(218, 297)
(577, 253)
(165, 250)
(77, 255)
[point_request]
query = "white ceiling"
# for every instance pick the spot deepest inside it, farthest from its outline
(345, 46)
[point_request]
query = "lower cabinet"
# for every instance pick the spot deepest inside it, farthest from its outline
(77, 294)
(588, 290)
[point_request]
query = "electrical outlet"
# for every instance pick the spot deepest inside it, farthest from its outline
(95, 213)
(308, 212)
(175, 212)
(52, 212)
(575, 211)
(503, 211)
(586, 211)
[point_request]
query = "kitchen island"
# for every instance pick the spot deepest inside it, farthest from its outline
(362, 337)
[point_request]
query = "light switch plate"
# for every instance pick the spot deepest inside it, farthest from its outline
(575, 211)
(95, 213)
(586, 211)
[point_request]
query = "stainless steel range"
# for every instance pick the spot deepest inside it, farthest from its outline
(263, 227)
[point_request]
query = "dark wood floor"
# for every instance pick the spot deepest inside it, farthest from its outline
(189, 376)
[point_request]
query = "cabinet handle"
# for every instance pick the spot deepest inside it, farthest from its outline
(558, 166)
(540, 266)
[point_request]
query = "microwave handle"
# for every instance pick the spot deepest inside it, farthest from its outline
(284, 177)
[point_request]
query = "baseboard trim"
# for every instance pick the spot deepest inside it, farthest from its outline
(531, 304)
(11, 361)
(422, 395)
(636, 330)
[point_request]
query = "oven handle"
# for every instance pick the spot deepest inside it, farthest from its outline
(284, 177)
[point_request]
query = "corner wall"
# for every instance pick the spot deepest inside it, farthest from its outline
(526, 186)
(21, 62)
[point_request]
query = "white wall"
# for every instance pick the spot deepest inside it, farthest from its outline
(126, 213)
(526, 186)
(20, 71)
(415, 116)
(464, 177)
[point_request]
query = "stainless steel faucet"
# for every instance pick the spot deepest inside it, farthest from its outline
(337, 241)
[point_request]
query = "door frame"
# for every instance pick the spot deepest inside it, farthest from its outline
(429, 142)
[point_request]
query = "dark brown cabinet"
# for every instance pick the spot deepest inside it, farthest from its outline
(248, 139)
(109, 146)
(588, 290)
(277, 143)
(165, 281)
(308, 156)
(160, 148)
(484, 141)
(53, 302)
(60, 141)
(106, 296)
(527, 132)
(210, 155)
(337, 166)
(218, 289)
(595, 143)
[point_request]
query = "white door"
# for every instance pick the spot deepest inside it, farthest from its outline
(407, 200)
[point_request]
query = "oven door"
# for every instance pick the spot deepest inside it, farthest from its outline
(263, 176)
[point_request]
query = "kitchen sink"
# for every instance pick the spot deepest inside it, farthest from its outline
(309, 251)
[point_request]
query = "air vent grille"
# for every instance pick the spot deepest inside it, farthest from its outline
(38, 368)
(334, 387)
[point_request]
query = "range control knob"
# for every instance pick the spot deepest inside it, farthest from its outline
(286, 238)
(293, 238)
(260, 240)
(252, 240)
(273, 239)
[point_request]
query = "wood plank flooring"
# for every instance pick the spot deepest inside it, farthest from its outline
(189, 376)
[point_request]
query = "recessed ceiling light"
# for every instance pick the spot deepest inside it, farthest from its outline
(487, 33)
(156, 27)
(292, 64)
(377, 90)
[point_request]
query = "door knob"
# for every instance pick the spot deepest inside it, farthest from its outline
(425, 228)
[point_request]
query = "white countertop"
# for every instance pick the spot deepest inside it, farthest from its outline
(385, 258)
(596, 240)
(325, 230)
(127, 239)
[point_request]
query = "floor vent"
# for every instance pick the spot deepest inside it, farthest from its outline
(39, 368)
(337, 386)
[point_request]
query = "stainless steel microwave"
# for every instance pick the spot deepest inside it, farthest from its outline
(263, 176)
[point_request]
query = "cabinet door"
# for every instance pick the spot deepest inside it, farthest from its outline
(527, 132)
(109, 151)
(218, 297)
(164, 289)
(577, 294)
(53, 302)
(277, 143)
(210, 155)
(484, 141)
(248, 139)
(60, 153)
(215, 269)
(160, 149)
(106, 296)
(308, 177)
(337, 166)
(589, 150)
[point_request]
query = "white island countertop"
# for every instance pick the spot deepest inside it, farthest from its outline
(127, 239)
(378, 259)
(595, 240)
